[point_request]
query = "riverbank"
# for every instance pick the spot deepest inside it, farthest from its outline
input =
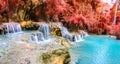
(31, 53)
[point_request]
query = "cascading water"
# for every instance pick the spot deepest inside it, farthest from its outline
(12, 27)
(37, 37)
(44, 28)
(66, 34)
(76, 37)
(42, 34)
(40, 37)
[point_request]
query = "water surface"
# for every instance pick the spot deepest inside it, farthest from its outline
(96, 50)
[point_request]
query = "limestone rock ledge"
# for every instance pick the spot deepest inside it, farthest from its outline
(31, 53)
(59, 56)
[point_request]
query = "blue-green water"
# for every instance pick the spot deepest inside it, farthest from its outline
(96, 50)
(93, 50)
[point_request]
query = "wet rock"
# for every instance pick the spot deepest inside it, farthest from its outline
(59, 56)
(2, 30)
(29, 25)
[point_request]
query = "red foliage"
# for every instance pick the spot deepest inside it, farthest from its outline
(114, 30)
(81, 13)
(117, 29)
(3, 5)
(118, 17)
(91, 15)
(8, 7)
(56, 7)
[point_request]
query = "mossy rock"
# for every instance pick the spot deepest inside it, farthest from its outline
(29, 25)
(56, 31)
(59, 56)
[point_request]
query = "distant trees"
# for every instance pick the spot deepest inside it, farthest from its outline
(91, 15)
(19, 10)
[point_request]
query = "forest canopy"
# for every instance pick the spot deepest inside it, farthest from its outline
(90, 15)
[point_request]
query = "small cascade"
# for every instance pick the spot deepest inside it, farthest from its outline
(42, 35)
(79, 36)
(65, 32)
(37, 37)
(73, 37)
(83, 34)
(12, 27)
(45, 29)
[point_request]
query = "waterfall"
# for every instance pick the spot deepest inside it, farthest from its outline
(43, 33)
(37, 37)
(45, 29)
(65, 32)
(12, 27)
(73, 37)
(77, 37)
(116, 9)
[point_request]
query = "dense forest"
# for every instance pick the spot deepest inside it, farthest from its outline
(92, 16)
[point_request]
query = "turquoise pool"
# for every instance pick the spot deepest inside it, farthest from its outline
(96, 50)
(92, 50)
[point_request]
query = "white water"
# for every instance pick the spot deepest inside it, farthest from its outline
(43, 33)
(44, 28)
(37, 37)
(76, 37)
(12, 27)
